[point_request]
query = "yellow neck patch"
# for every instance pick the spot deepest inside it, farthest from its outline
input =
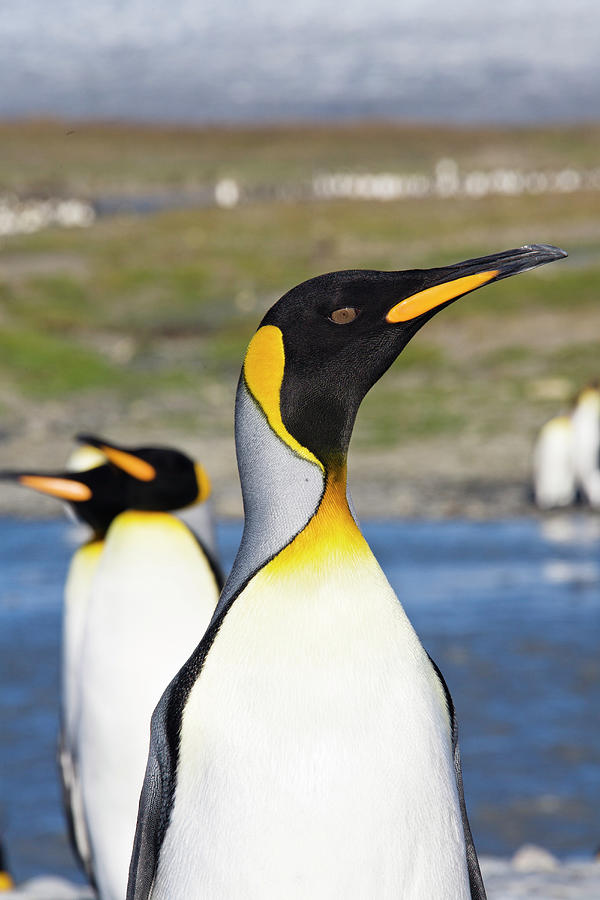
(146, 519)
(204, 486)
(6, 882)
(332, 538)
(92, 550)
(263, 373)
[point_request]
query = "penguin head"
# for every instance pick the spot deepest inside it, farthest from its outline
(589, 397)
(95, 496)
(159, 479)
(326, 342)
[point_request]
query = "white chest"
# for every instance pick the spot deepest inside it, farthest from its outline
(77, 593)
(315, 756)
(152, 598)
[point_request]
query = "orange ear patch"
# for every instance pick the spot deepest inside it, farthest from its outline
(128, 462)
(433, 297)
(263, 373)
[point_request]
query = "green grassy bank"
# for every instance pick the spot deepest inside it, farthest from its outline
(136, 326)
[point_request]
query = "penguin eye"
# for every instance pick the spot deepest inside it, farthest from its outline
(344, 315)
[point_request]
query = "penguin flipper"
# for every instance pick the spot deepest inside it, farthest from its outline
(475, 880)
(65, 768)
(154, 808)
(76, 826)
(158, 790)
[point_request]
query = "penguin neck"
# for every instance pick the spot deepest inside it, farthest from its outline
(331, 540)
(133, 519)
(290, 497)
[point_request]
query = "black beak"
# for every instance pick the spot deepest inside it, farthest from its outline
(509, 262)
(451, 282)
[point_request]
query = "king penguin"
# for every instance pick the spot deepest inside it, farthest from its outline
(554, 482)
(585, 421)
(155, 588)
(95, 493)
(308, 748)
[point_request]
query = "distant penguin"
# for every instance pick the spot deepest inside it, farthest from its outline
(308, 748)
(95, 492)
(554, 482)
(586, 443)
(155, 588)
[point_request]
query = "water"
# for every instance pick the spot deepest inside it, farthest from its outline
(510, 610)
(185, 60)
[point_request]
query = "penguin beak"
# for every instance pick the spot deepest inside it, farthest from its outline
(64, 487)
(121, 458)
(452, 282)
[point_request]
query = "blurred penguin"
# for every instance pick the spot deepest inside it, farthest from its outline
(554, 483)
(94, 493)
(586, 443)
(155, 588)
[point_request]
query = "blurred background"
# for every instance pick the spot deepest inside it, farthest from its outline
(168, 170)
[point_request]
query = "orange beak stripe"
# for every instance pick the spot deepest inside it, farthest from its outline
(432, 297)
(57, 487)
(129, 463)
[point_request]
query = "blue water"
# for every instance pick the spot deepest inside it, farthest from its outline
(186, 60)
(510, 611)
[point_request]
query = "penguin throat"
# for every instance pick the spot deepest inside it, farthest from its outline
(331, 539)
(295, 508)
